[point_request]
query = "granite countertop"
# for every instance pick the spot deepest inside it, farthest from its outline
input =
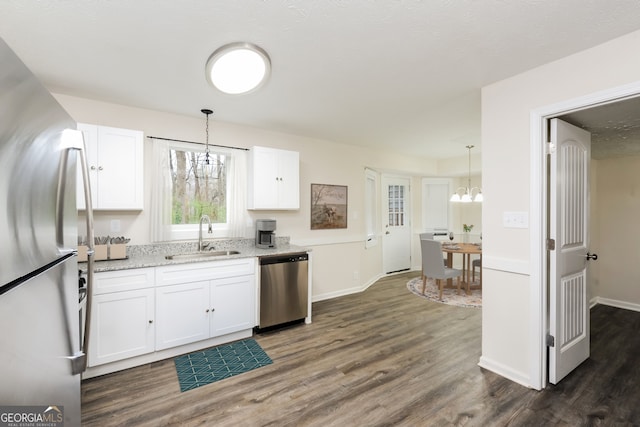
(154, 255)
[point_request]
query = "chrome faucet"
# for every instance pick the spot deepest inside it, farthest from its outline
(201, 244)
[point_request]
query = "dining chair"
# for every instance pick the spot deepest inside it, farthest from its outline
(476, 263)
(432, 266)
(429, 236)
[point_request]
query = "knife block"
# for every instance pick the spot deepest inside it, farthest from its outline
(117, 251)
(100, 252)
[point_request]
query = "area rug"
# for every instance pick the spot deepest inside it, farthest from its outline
(216, 363)
(449, 295)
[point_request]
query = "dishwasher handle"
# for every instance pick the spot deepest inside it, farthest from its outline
(279, 259)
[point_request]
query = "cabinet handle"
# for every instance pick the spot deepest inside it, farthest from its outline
(93, 168)
(100, 168)
(150, 321)
(213, 309)
(207, 310)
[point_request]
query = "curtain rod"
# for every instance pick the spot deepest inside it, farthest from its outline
(201, 143)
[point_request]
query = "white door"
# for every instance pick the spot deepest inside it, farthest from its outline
(396, 237)
(569, 227)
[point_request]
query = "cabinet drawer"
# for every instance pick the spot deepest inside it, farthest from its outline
(184, 273)
(123, 280)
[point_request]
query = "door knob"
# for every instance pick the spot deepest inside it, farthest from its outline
(591, 256)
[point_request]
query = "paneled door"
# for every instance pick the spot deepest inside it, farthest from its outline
(568, 250)
(396, 217)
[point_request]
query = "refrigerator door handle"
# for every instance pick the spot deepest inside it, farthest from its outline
(74, 141)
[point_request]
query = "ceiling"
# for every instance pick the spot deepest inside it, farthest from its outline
(387, 73)
(614, 127)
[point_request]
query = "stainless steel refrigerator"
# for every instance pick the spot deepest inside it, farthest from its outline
(42, 352)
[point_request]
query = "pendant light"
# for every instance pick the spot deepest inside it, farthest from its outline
(467, 192)
(206, 166)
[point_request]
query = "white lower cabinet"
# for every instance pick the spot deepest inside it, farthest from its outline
(139, 315)
(232, 305)
(122, 326)
(194, 311)
(182, 314)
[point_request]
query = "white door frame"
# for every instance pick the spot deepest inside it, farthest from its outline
(538, 220)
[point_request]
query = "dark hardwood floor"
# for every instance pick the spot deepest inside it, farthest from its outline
(382, 358)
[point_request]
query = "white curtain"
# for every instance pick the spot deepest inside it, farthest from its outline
(238, 219)
(160, 216)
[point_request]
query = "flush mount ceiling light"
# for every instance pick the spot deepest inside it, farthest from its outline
(238, 68)
(466, 194)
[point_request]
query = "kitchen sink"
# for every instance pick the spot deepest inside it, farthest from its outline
(197, 255)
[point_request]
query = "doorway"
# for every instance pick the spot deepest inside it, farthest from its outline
(396, 221)
(539, 262)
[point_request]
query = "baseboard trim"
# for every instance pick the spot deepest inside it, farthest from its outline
(504, 371)
(615, 303)
(348, 291)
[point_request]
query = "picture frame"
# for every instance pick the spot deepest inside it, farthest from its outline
(328, 206)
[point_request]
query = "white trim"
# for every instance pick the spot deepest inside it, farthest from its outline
(615, 303)
(505, 371)
(329, 240)
(348, 291)
(371, 207)
(505, 264)
(537, 215)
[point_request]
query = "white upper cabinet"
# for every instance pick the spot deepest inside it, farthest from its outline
(115, 160)
(274, 179)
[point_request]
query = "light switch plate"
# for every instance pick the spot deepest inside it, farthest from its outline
(515, 219)
(115, 226)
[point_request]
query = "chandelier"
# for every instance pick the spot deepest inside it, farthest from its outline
(467, 194)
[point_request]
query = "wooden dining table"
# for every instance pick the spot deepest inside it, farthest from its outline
(466, 250)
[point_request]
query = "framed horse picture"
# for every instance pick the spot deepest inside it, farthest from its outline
(328, 206)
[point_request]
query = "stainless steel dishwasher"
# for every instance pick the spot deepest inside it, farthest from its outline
(284, 290)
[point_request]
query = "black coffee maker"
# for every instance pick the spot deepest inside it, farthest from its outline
(265, 236)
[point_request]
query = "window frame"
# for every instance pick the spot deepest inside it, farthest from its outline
(191, 231)
(371, 201)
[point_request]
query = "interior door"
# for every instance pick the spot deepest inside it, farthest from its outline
(569, 228)
(396, 237)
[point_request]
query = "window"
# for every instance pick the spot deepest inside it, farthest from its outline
(197, 188)
(371, 206)
(185, 188)
(435, 203)
(396, 205)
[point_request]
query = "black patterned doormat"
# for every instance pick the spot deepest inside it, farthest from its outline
(216, 363)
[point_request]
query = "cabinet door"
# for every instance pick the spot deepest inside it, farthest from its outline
(120, 164)
(232, 304)
(288, 180)
(90, 135)
(122, 326)
(182, 314)
(263, 193)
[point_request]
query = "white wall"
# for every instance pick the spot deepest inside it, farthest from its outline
(341, 263)
(509, 344)
(616, 231)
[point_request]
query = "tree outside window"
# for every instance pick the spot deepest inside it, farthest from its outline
(197, 189)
